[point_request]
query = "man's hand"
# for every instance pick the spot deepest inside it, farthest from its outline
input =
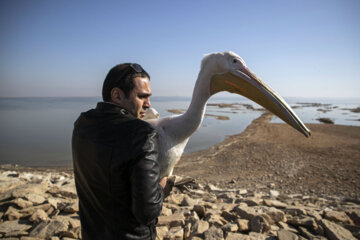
(163, 182)
(167, 185)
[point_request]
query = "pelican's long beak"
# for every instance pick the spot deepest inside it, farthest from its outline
(247, 84)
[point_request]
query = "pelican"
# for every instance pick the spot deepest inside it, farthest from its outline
(224, 71)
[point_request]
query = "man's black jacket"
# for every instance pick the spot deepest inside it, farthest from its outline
(116, 174)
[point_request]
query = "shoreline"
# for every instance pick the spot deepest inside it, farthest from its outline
(326, 163)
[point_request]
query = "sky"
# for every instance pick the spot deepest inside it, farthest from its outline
(65, 48)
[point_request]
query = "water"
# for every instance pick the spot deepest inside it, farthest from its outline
(37, 131)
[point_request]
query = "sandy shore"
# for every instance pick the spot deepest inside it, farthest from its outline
(267, 154)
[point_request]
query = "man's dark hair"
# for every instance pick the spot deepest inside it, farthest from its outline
(122, 76)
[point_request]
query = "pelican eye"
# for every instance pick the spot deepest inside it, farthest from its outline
(235, 61)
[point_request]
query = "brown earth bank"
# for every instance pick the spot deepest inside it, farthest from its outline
(269, 155)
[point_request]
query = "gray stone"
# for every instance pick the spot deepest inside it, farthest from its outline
(214, 233)
(200, 210)
(336, 216)
(21, 203)
(187, 201)
(67, 234)
(247, 212)
(172, 220)
(13, 226)
(259, 224)
(243, 225)
(72, 207)
(274, 203)
(307, 222)
(166, 211)
(161, 232)
(275, 214)
(296, 211)
(334, 231)
(274, 193)
(175, 233)
(237, 236)
(48, 228)
(12, 214)
(200, 227)
(228, 216)
(230, 227)
(254, 201)
(354, 215)
(39, 216)
(287, 235)
(175, 198)
(36, 199)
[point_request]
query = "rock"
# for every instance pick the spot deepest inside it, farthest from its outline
(172, 220)
(48, 228)
(200, 210)
(275, 215)
(187, 201)
(175, 233)
(287, 227)
(230, 227)
(237, 236)
(13, 226)
(274, 193)
(71, 207)
(161, 232)
(67, 234)
(228, 197)
(247, 212)
(187, 230)
(33, 238)
(54, 202)
(296, 211)
(254, 201)
(287, 235)
(210, 187)
(67, 191)
(166, 211)
(200, 227)
(216, 220)
(39, 216)
(32, 188)
(259, 224)
(336, 216)
(304, 232)
(334, 231)
(274, 203)
(355, 216)
(12, 214)
(21, 203)
(307, 222)
(243, 225)
(214, 233)
(35, 198)
(175, 198)
(228, 216)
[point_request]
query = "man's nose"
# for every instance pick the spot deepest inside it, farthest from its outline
(147, 103)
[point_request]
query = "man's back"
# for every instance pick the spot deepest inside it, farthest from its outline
(116, 174)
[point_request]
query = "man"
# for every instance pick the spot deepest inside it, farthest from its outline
(115, 160)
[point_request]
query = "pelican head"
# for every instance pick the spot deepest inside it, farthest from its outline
(230, 73)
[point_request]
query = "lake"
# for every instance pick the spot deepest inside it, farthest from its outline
(37, 131)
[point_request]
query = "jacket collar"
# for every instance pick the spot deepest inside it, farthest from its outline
(111, 107)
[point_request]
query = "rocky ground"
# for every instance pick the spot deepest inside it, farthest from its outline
(43, 205)
(267, 183)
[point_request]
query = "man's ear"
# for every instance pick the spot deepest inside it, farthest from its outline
(117, 95)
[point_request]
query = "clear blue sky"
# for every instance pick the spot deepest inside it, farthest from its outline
(65, 48)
